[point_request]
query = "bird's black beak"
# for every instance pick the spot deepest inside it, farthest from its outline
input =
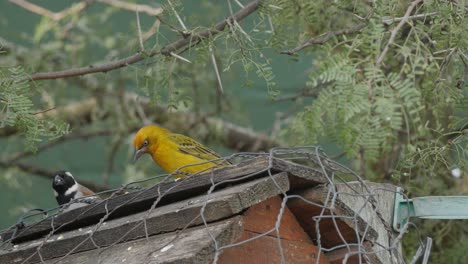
(58, 180)
(138, 153)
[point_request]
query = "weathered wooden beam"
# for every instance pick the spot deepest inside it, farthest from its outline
(219, 205)
(190, 246)
(332, 229)
(378, 215)
(188, 187)
(353, 218)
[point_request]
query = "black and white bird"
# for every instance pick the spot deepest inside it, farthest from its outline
(66, 188)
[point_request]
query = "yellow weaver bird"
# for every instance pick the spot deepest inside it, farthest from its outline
(172, 151)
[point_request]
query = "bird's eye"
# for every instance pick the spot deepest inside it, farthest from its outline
(145, 143)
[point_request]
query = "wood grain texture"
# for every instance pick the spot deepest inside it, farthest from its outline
(329, 231)
(188, 187)
(351, 202)
(220, 205)
(379, 217)
(190, 246)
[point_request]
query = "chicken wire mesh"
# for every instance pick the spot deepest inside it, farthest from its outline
(335, 174)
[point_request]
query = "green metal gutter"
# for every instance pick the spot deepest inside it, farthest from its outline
(430, 207)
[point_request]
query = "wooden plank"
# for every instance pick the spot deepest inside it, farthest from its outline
(331, 234)
(220, 205)
(384, 195)
(261, 218)
(301, 176)
(182, 189)
(190, 246)
(351, 201)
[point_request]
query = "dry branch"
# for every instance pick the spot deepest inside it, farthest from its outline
(173, 47)
(56, 16)
(396, 29)
(149, 10)
(390, 21)
(79, 113)
(320, 40)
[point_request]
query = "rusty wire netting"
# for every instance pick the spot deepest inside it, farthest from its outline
(311, 156)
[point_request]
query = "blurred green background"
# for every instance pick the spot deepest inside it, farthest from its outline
(401, 121)
(86, 159)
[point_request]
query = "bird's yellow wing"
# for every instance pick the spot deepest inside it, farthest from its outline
(189, 146)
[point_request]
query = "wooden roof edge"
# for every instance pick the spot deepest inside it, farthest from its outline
(175, 191)
(169, 218)
(192, 245)
(362, 206)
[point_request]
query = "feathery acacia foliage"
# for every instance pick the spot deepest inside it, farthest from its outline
(394, 105)
(18, 110)
(402, 118)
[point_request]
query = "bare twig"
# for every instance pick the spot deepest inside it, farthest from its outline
(320, 40)
(174, 28)
(445, 62)
(173, 47)
(218, 76)
(140, 35)
(396, 29)
(145, 35)
(180, 57)
(239, 3)
(234, 136)
(56, 16)
(177, 15)
(153, 30)
(44, 111)
(390, 21)
(149, 10)
(307, 92)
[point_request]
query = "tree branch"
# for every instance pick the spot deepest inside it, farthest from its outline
(390, 21)
(74, 135)
(149, 10)
(327, 36)
(48, 174)
(56, 16)
(312, 92)
(79, 113)
(173, 47)
(320, 40)
(396, 29)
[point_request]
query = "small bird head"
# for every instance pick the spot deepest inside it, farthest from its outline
(146, 139)
(63, 181)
